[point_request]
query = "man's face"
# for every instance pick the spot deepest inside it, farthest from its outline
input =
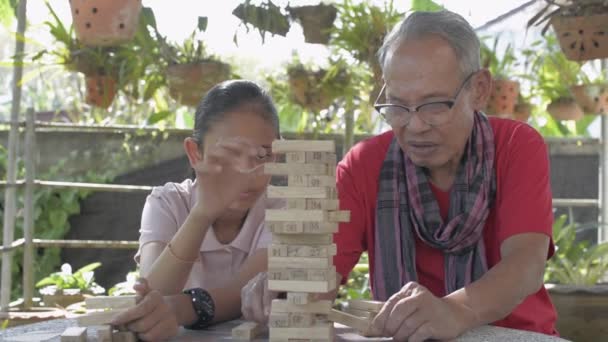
(426, 70)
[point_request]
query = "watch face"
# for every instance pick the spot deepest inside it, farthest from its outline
(203, 306)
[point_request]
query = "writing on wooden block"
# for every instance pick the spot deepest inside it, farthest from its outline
(358, 323)
(366, 305)
(277, 250)
(303, 239)
(295, 157)
(110, 302)
(248, 331)
(104, 333)
(338, 216)
(301, 262)
(322, 286)
(311, 203)
(97, 318)
(321, 157)
(293, 227)
(299, 297)
(317, 307)
(318, 332)
(298, 169)
(301, 192)
(311, 181)
(74, 334)
(301, 274)
(124, 336)
(282, 146)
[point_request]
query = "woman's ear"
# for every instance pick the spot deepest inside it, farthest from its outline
(193, 151)
(482, 87)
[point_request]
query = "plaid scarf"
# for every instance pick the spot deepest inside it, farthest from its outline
(406, 206)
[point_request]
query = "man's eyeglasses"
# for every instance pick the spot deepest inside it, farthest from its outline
(432, 113)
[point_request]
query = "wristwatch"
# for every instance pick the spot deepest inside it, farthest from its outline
(203, 307)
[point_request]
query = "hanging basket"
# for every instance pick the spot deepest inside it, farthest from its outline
(522, 112)
(316, 21)
(503, 98)
(565, 108)
(188, 83)
(105, 22)
(308, 91)
(100, 90)
(592, 98)
(582, 38)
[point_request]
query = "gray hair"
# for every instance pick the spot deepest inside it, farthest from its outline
(448, 25)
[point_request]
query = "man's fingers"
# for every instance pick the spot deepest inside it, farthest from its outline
(423, 333)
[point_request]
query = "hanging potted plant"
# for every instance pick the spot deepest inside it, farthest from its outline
(581, 27)
(316, 21)
(266, 18)
(592, 94)
(64, 287)
(505, 90)
(523, 109)
(573, 278)
(105, 22)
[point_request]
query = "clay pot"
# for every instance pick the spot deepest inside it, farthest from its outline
(100, 90)
(592, 98)
(582, 38)
(503, 97)
(316, 21)
(522, 112)
(105, 22)
(565, 108)
(188, 83)
(582, 312)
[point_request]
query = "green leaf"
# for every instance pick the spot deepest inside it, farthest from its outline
(202, 23)
(426, 5)
(159, 116)
(58, 219)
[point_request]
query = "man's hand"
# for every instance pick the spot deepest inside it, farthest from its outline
(414, 314)
(256, 299)
(152, 318)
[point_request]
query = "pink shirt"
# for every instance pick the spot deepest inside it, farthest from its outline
(166, 210)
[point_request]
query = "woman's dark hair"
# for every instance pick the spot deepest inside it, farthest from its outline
(228, 96)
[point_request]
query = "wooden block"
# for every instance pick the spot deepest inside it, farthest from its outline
(302, 239)
(360, 324)
(248, 331)
(282, 146)
(278, 320)
(321, 157)
(322, 286)
(300, 262)
(314, 204)
(338, 216)
(277, 250)
(366, 305)
(97, 318)
(110, 302)
(301, 274)
(319, 332)
(317, 307)
(104, 333)
(124, 336)
(295, 157)
(301, 192)
(74, 334)
(360, 313)
(299, 297)
(302, 228)
(311, 181)
(298, 169)
(298, 215)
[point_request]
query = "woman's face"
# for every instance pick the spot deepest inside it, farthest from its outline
(256, 130)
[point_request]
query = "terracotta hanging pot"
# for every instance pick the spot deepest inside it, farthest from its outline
(522, 112)
(188, 83)
(105, 22)
(307, 89)
(503, 98)
(316, 21)
(592, 98)
(565, 108)
(100, 90)
(582, 38)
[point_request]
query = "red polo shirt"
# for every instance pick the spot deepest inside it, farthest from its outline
(523, 204)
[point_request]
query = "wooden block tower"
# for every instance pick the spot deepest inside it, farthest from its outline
(300, 260)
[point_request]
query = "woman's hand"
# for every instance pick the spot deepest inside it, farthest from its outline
(256, 299)
(152, 318)
(226, 171)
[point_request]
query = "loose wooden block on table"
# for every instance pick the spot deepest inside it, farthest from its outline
(104, 333)
(360, 324)
(318, 332)
(97, 318)
(110, 302)
(360, 313)
(312, 203)
(322, 286)
(311, 181)
(248, 331)
(301, 192)
(282, 146)
(302, 239)
(124, 336)
(315, 251)
(366, 305)
(276, 169)
(74, 334)
(302, 228)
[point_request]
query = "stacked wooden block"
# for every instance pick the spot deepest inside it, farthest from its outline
(302, 250)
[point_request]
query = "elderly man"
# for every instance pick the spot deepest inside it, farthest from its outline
(453, 207)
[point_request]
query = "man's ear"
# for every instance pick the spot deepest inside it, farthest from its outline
(193, 151)
(482, 87)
